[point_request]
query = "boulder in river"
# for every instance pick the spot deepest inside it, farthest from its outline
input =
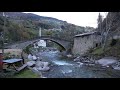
(76, 59)
(31, 63)
(106, 61)
(42, 66)
(69, 55)
(35, 68)
(80, 63)
(116, 67)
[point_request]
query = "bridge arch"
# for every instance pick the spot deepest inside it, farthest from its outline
(65, 44)
(52, 41)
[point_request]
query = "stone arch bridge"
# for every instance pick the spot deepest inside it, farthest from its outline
(67, 45)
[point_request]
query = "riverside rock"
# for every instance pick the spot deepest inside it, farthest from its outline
(76, 59)
(31, 63)
(106, 61)
(69, 55)
(42, 66)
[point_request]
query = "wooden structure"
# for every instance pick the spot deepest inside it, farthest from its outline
(12, 62)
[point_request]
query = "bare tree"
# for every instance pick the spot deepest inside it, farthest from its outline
(108, 28)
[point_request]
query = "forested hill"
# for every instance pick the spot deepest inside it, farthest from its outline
(44, 22)
(25, 26)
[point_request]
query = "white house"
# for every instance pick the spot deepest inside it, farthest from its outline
(42, 43)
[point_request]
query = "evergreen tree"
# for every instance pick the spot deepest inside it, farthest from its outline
(99, 21)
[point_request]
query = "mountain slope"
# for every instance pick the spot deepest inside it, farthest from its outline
(25, 26)
(18, 16)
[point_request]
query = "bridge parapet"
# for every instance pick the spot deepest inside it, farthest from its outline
(55, 38)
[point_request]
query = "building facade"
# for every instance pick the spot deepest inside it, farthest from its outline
(84, 42)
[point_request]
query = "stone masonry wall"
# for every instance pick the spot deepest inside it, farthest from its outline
(84, 43)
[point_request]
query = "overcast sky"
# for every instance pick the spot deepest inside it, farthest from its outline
(77, 18)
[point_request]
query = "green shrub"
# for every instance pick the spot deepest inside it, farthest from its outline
(27, 49)
(98, 51)
(113, 42)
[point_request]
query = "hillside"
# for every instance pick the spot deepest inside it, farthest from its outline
(113, 40)
(25, 26)
(44, 22)
(113, 22)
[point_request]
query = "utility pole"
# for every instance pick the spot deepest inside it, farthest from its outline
(40, 32)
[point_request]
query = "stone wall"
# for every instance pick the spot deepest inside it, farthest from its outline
(83, 43)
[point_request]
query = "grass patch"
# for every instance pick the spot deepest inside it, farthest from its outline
(98, 51)
(112, 49)
(26, 74)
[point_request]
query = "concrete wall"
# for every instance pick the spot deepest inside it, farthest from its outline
(84, 43)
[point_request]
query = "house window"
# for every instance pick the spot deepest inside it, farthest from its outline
(96, 44)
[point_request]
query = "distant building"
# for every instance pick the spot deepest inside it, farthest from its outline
(42, 43)
(83, 42)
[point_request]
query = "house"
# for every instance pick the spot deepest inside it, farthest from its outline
(83, 42)
(42, 43)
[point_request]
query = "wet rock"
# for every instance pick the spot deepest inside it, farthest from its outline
(42, 66)
(90, 64)
(34, 68)
(80, 63)
(76, 59)
(39, 58)
(116, 66)
(66, 71)
(69, 55)
(31, 63)
(43, 77)
(106, 61)
(69, 71)
(86, 61)
(39, 64)
(45, 64)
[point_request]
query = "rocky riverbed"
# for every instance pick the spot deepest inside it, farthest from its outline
(105, 62)
(79, 67)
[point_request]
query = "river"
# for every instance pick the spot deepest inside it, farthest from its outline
(61, 67)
